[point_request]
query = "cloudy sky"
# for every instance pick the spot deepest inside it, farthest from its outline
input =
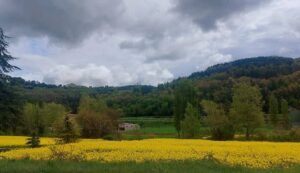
(121, 42)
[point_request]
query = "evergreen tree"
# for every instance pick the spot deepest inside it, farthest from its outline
(33, 141)
(190, 126)
(273, 109)
(285, 113)
(10, 102)
(69, 132)
(246, 109)
(184, 93)
(5, 57)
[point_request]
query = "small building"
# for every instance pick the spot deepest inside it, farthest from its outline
(128, 127)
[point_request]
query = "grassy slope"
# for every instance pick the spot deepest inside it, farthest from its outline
(27, 166)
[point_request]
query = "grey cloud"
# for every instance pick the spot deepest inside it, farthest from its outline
(171, 56)
(206, 13)
(68, 21)
(139, 45)
(136, 35)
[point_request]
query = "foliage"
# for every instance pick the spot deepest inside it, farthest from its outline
(95, 119)
(33, 141)
(246, 108)
(10, 102)
(217, 121)
(67, 130)
(285, 113)
(257, 67)
(5, 57)
(273, 109)
(190, 126)
(276, 75)
(40, 117)
(184, 93)
(33, 119)
(10, 107)
(292, 135)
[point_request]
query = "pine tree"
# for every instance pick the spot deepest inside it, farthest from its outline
(5, 57)
(33, 141)
(10, 101)
(69, 132)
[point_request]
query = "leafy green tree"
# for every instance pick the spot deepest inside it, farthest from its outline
(67, 131)
(40, 117)
(10, 101)
(96, 119)
(285, 113)
(246, 109)
(184, 93)
(92, 104)
(217, 121)
(50, 112)
(191, 124)
(273, 109)
(33, 119)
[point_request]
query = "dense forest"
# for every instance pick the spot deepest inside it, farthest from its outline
(277, 75)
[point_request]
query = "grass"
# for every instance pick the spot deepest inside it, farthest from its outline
(153, 127)
(205, 166)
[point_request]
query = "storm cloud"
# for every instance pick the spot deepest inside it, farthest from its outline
(121, 42)
(207, 13)
(68, 21)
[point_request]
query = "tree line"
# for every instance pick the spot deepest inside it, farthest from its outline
(245, 113)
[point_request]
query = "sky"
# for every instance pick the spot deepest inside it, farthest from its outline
(124, 42)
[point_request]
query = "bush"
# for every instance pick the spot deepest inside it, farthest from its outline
(96, 119)
(292, 135)
(113, 137)
(225, 132)
(96, 125)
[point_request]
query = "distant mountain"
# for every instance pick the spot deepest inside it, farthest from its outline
(273, 74)
(258, 67)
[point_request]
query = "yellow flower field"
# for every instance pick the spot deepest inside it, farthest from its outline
(250, 154)
(20, 141)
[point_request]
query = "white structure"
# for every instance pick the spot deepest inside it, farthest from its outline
(128, 127)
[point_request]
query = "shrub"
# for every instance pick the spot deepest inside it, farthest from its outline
(96, 119)
(96, 125)
(33, 141)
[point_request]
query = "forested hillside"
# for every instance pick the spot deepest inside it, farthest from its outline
(277, 75)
